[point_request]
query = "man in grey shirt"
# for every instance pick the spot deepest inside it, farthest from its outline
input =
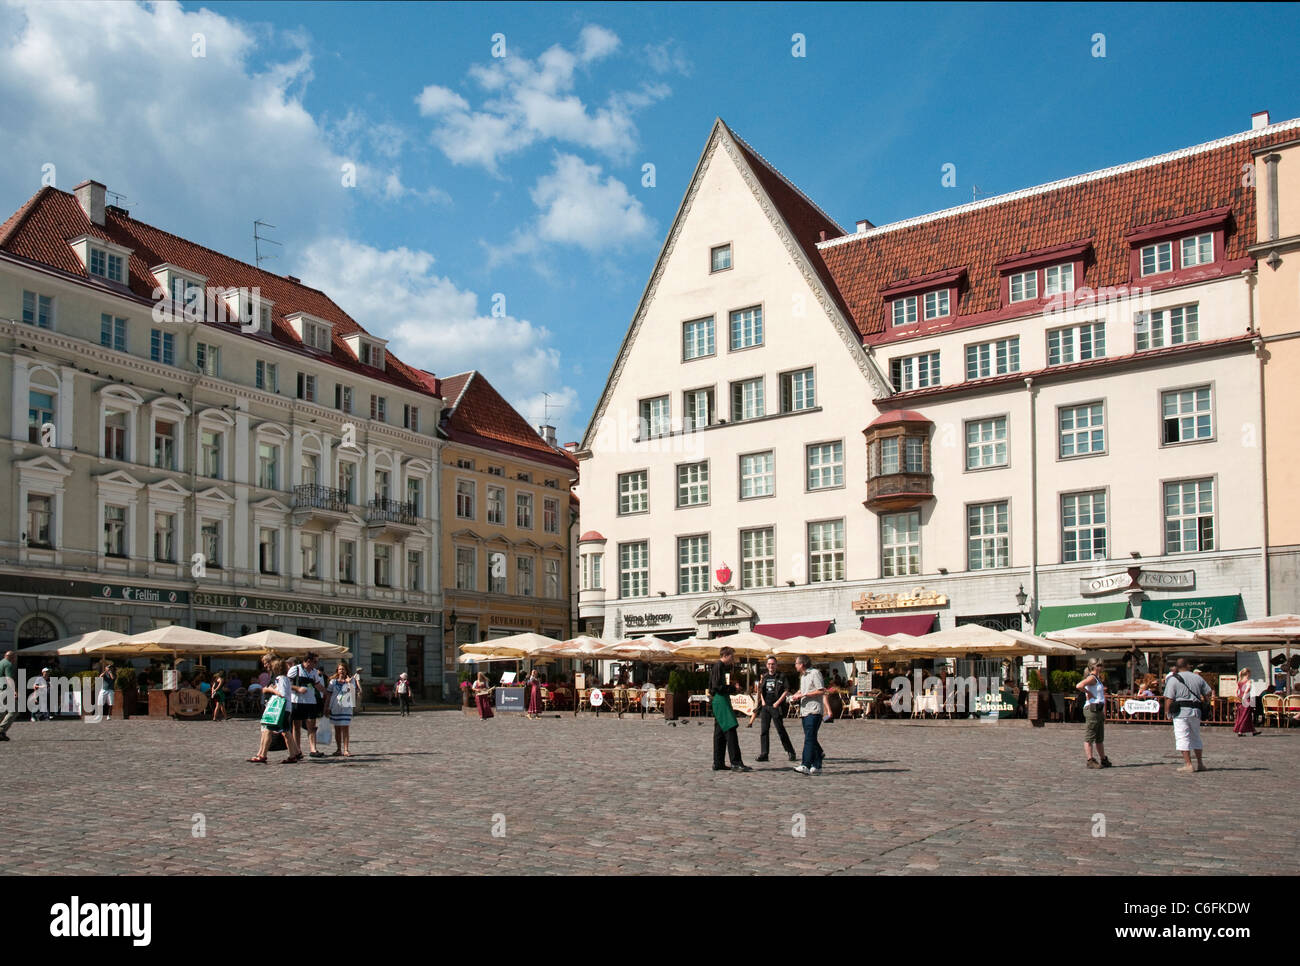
(1183, 693)
(8, 710)
(809, 696)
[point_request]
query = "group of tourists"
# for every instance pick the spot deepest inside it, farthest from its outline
(300, 695)
(482, 690)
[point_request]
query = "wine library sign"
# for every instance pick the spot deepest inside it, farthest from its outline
(1135, 578)
(309, 608)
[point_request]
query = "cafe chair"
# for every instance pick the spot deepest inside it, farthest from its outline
(1291, 708)
(1271, 704)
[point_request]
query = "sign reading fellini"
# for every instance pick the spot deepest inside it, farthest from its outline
(919, 597)
(310, 608)
(1135, 578)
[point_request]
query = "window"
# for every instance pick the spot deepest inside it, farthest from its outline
(757, 475)
(597, 568)
(316, 336)
(915, 372)
(747, 399)
(210, 540)
(936, 304)
(1186, 414)
(1157, 258)
(38, 310)
(306, 387)
(692, 565)
(524, 477)
(164, 537)
(343, 398)
(1082, 430)
(997, 358)
(465, 499)
(825, 465)
(1083, 526)
(797, 391)
(693, 484)
(633, 492)
(550, 516)
(348, 561)
(905, 310)
(988, 543)
(379, 649)
(208, 359)
(115, 434)
(1153, 330)
(268, 466)
(383, 484)
(415, 495)
(655, 417)
(106, 265)
(524, 511)
(97, 266)
(889, 463)
(411, 417)
(112, 332)
(162, 347)
(1076, 343)
(414, 570)
(634, 569)
(496, 573)
(1198, 250)
(551, 578)
(310, 548)
(524, 576)
(496, 471)
(986, 443)
(310, 473)
(466, 566)
(698, 339)
(268, 376)
(720, 258)
(496, 505)
(210, 453)
(1058, 279)
(747, 328)
(348, 480)
(40, 520)
(1189, 516)
(164, 444)
(372, 355)
(115, 531)
(268, 550)
(383, 565)
(913, 454)
(757, 558)
(900, 544)
(1024, 286)
(698, 406)
(40, 410)
(825, 551)
(464, 464)
(378, 408)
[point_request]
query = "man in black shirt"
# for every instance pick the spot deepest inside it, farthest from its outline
(725, 732)
(772, 693)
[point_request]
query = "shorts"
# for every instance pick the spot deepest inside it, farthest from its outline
(305, 711)
(1187, 733)
(284, 724)
(1094, 723)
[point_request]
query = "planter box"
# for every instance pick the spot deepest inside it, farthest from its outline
(676, 705)
(158, 704)
(1036, 708)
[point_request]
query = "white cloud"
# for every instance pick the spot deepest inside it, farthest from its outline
(534, 100)
(579, 208)
(668, 57)
(436, 325)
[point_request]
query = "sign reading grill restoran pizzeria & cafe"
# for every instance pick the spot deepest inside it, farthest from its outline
(310, 608)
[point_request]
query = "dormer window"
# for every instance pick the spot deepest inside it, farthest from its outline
(1198, 250)
(1024, 286)
(1045, 273)
(248, 306)
(106, 264)
(924, 298)
(1058, 279)
(368, 350)
(936, 304)
(1158, 258)
(102, 258)
(905, 310)
(183, 288)
(1181, 245)
(315, 333)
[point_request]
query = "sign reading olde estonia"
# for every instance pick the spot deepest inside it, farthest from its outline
(919, 597)
(1135, 578)
(310, 608)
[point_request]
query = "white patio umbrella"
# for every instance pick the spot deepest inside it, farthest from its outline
(1122, 634)
(173, 639)
(747, 644)
(77, 645)
(848, 643)
(1275, 632)
(278, 642)
(648, 649)
(579, 647)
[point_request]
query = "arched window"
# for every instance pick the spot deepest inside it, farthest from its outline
(36, 630)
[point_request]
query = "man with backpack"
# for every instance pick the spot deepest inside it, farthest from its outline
(1186, 694)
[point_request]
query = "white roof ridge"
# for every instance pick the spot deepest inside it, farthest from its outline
(1063, 183)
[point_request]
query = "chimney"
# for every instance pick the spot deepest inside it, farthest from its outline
(1258, 120)
(547, 433)
(1270, 180)
(571, 447)
(90, 195)
(863, 226)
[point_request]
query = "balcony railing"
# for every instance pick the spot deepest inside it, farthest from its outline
(317, 497)
(390, 511)
(899, 491)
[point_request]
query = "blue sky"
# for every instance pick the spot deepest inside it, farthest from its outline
(516, 182)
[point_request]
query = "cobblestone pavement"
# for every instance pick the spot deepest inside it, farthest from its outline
(425, 794)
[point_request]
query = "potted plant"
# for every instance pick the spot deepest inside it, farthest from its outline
(1037, 707)
(677, 696)
(124, 683)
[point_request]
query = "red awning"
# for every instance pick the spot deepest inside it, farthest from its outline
(793, 629)
(914, 624)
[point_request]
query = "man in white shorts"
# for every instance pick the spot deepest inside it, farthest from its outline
(1183, 692)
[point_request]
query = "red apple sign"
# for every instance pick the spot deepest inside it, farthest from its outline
(723, 574)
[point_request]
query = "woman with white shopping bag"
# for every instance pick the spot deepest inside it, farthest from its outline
(340, 700)
(277, 718)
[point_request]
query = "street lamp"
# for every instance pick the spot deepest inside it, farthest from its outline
(452, 618)
(1022, 602)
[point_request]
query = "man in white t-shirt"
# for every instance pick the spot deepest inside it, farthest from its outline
(809, 696)
(306, 684)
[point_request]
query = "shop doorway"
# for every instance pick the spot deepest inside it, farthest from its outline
(32, 631)
(415, 662)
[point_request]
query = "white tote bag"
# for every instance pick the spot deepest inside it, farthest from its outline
(324, 731)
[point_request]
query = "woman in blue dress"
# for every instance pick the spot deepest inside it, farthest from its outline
(340, 702)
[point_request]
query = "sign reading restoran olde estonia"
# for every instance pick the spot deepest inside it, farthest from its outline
(1135, 578)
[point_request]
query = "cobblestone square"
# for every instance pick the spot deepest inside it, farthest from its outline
(441, 792)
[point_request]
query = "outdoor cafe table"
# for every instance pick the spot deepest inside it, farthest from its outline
(1224, 711)
(615, 699)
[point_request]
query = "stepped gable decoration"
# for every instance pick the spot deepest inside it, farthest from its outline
(919, 597)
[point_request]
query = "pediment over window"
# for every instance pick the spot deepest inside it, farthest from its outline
(43, 464)
(168, 487)
(118, 478)
(724, 610)
(214, 495)
(271, 505)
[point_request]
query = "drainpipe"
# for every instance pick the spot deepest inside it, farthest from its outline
(1033, 496)
(1261, 354)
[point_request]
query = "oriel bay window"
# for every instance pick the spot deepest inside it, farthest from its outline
(692, 564)
(898, 461)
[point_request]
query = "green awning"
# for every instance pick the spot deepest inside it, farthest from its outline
(1193, 613)
(1058, 618)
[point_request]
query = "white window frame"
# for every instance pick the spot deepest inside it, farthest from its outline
(752, 398)
(1023, 287)
(1085, 431)
(1070, 340)
(1182, 414)
(747, 324)
(693, 347)
(693, 563)
(1175, 325)
(918, 371)
(821, 459)
(714, 267)
(996, 357)
(633, 498)
(656, 416)
(982, 449)
(827, 557)
(992, 540)
(1202, 244)
(798, 390)
(937, 304)
(496, 505)
(523, 511)
(466, 568)
(1198, 515)
(634, 569)
(767, 473)
(41, 310)
(903, 311)
(900, 546)
(266, 375)
(1058, 279)
(1156, 260)
(757, 558)
(1090, 520)
(466, 497)
(693, 484)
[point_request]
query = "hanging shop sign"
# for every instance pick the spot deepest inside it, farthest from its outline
(919, 597)
(1135, 578)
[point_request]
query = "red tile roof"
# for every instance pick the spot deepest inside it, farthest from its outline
(478, 415)
(1101, 207)
(40, 230)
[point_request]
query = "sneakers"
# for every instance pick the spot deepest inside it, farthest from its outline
(1093, 763)
(802, 770)
(1105, 763)
(814, 771)
(741, 768)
